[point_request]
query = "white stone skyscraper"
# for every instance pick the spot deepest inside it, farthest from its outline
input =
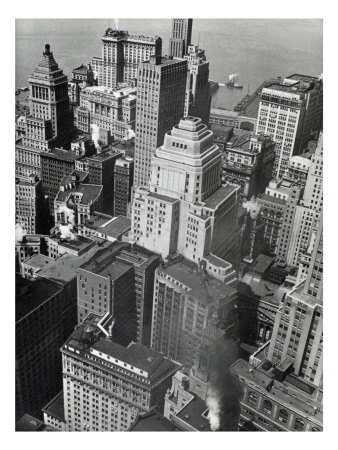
(291, 112)
(161, 88)
(186, 209)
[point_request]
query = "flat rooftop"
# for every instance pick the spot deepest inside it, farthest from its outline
(162, 197)
(203, 287)
(89, 193)
(38, 261)
(195, 414)
(271, 199)
(55, 407)
(220, 195)
(65, 155)
(216, 261)
(153, 422)
(65, 268)
(112, 226)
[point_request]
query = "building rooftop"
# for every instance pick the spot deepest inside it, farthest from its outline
(220, 195)
(38, 261)
(153, 421)
(79, 174)
(65, 268)
(202, 286)
(55, 407)
(30, 423)
(162, 197)
(293, 392)
(216, 261)
(195, 414)
(30, 294)
(89, 193)
(61, 154)
(271, 199)
(135, 358)
(108, 225)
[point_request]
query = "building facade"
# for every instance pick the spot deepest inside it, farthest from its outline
(161, 86)
(291, 112)
(30, 204)
(121, 54)
(180, 37)
(198, 98)
(112, 110)
(107, 386)
(186, 204)
(184, 300)
(123, 184)
(249, 164)
(49, 97)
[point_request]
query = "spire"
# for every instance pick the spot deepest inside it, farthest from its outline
(47, 60)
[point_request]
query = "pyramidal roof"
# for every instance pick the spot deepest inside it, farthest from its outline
(47, 60)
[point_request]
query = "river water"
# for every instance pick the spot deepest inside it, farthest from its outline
(257, 49)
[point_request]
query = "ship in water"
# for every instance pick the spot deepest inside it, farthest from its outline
(233, 81)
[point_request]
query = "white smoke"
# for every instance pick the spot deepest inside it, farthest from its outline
(19, 233)
(66, 231)
(95, 135)
(116, 23)
(131, 134)
(213, 403)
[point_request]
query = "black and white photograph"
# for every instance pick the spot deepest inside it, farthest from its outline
(168, 224)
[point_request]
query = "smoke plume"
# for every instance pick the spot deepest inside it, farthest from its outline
(95, 135)
(67, 229)
(116, 23)
(19, 233)
(224, 390)
(131, 134)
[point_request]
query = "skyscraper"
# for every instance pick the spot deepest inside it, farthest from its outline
(180, 37)
(186, 209)
(121, 54)
(283, 382)
(106, 386)
(161, 88)
(291, 112)
(198, 99)
(185, 298)
(30, 204)
(301, 220)
(49, 96)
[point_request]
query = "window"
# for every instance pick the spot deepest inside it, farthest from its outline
(267, 406)
(253, 398)
(299, 424)
(283, 416)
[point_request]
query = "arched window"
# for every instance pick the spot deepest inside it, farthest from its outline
(253, 398)
(299, 424)
(267, 406)
(261, 331)
(283, 416)
(267, 334)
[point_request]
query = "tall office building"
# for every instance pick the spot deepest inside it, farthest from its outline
(186, 209)
(180, 37)
(301, 221)
(282, 383)
(123, 184)
(106, 285)
(30, 204)
(198, 98)
(291, 112)
(121, 54)
(161, 88)
(107, 386)
(185, 298)
(49, 96)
